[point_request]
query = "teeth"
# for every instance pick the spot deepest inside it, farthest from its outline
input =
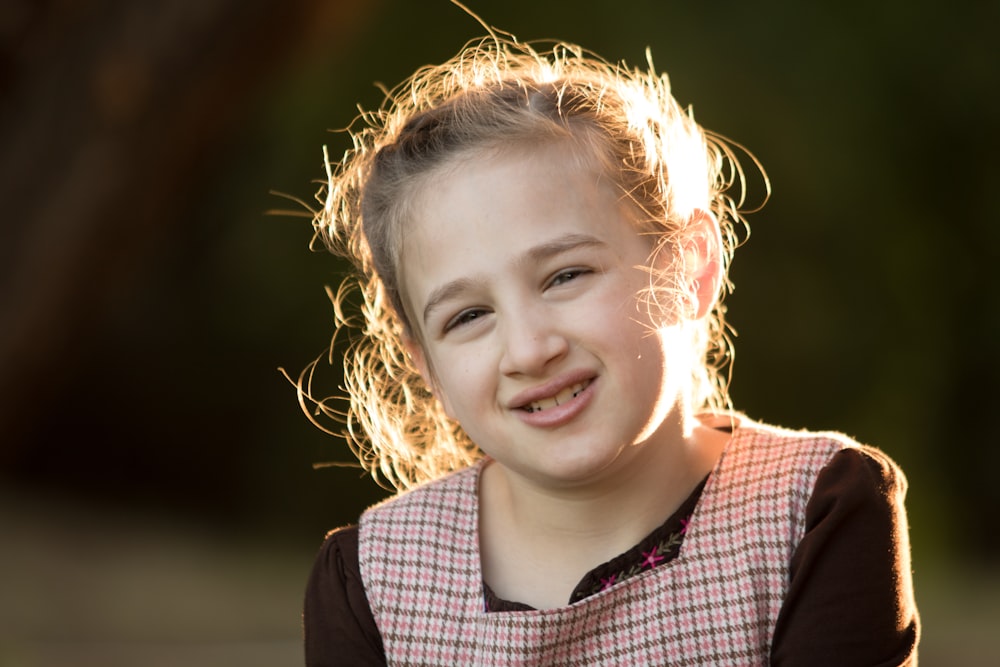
(560, 398)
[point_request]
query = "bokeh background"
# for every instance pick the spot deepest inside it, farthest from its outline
(159, 503)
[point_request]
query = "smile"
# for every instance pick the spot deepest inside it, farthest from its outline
(567, 394)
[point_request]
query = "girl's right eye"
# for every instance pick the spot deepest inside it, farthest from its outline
(467, 316)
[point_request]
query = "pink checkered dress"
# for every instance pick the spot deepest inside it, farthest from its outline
(715, 604)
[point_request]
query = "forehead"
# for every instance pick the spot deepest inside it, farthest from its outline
(548, 174)
(475, 198)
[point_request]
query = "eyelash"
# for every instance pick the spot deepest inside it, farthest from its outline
(565, 276)
(464, 317)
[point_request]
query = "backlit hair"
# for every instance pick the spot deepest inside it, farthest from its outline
(499, 92)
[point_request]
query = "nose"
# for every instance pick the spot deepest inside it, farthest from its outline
(532, 340)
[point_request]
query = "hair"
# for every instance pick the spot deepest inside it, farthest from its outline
(498, 92)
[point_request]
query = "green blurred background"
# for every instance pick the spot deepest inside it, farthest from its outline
(158, 501)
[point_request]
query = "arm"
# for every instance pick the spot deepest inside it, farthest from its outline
(850, 598)
(337, 620)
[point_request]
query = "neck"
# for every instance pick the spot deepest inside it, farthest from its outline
(581, 526)
(617, 510)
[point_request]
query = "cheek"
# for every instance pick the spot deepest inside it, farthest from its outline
(628, 317)
(461, 384)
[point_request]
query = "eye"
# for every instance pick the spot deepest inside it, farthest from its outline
(566, 275)
(467, 316)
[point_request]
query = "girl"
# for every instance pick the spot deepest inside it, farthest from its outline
(543, 241)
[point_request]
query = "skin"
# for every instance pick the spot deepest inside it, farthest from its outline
(523, 272)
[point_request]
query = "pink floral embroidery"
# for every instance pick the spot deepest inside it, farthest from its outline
(651, 558)
(661, 553)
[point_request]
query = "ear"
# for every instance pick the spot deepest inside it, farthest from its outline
(419, 359)
(703, 262)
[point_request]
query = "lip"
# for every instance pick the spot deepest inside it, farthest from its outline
(559, 414)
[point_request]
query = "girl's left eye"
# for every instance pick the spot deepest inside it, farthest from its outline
(566, 276)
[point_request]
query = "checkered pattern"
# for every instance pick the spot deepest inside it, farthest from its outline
(715, 604)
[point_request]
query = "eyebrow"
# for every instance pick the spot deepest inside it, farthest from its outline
(538, 253)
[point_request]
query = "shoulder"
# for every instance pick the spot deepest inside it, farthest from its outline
(339, 550)
(429, 524)
(779, 447)
(842, 463)
(443, 494)
(335, 576)
(866, 470)
(766, 456)
(770, 436)
(824, 470)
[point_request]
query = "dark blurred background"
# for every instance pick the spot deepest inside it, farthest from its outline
(158, 500)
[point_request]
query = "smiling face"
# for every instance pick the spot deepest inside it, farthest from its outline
(523, 275)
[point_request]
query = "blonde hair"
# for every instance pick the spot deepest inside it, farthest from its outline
(493, 92)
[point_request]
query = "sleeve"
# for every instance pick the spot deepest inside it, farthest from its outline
(338, 625)
(850, 599)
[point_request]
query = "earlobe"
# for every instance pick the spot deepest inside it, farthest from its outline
(416, 354)
(703, 262)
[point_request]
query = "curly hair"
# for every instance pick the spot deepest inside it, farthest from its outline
(497, 92)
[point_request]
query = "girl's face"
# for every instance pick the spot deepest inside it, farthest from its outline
(523, 275)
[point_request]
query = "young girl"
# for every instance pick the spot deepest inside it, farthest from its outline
(543, 241)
